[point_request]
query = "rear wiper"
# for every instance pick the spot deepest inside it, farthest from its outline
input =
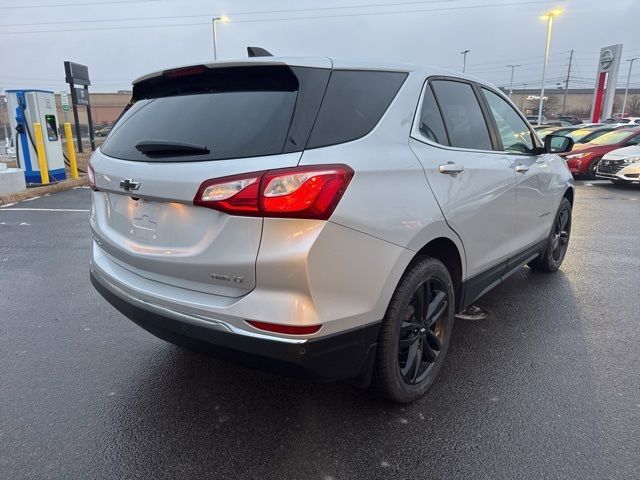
(163, 147)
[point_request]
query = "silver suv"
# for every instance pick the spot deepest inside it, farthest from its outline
(321, 218)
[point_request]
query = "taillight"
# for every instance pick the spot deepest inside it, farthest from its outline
(236, 195)
(301, 192)
(91, 176)
(286, 329)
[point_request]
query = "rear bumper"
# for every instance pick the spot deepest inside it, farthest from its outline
(344, 355)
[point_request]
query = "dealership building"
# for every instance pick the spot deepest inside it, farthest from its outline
(579, 101)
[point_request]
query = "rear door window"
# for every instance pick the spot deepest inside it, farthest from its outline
(353, 104)
(462, 115)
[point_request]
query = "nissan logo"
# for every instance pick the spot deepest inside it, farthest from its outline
(606, 59)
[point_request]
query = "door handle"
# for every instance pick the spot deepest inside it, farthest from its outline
(521, 169)
(451, 168)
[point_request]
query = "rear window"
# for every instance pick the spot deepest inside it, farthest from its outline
(239, 112)
(229, 124)
(353, 104)
(233, 112)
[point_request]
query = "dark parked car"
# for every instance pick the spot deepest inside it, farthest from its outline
(556, 131)
(572, 119)
(533, 119)
(102, 132)
(586, 134)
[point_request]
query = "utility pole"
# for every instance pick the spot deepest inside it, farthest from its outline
(566, 83)
(524, 94)
(513, 67)
(626, 90)
(464, 60)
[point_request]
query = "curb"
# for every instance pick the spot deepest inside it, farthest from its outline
(39, 191)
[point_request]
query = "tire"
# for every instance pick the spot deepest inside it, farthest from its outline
(591, 172)
(558, 241)
(412, 347)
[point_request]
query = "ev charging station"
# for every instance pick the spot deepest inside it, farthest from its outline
(27, 107)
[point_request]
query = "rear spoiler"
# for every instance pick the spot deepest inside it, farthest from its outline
(258, 52)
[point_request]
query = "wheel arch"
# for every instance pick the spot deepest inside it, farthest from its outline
(446, 251)
(569, 195)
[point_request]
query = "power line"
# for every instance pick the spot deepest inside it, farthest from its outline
(468, 7)
(342, 15)
(260, 12)
(83, 4)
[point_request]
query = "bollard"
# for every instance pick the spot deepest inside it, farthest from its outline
(42, 156)
(71, 152)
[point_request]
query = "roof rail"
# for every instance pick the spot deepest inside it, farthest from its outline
(258, 52)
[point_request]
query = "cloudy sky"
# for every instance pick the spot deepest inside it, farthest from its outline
(122, 39)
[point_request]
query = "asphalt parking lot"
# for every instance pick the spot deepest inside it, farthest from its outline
(548, 387)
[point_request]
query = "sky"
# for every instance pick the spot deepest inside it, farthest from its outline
(120, 40)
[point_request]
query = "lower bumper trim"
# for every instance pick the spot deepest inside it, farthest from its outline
(339, 356)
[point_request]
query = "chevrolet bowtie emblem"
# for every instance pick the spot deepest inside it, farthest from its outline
(129, 185)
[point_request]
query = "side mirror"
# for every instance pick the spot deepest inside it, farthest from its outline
(558, 143)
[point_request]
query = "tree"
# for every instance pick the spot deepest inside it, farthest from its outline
(633, 105)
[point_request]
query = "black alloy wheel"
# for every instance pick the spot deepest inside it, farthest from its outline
(422, 331)
(415, 332)
(558, 241)
(561, 232)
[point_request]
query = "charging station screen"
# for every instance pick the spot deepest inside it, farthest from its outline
(52, 127)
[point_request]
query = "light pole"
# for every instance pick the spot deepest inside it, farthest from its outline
(464, 59)
(626, 90)
(513, 67)
(3, 106)
(222, 19)
(549, 18)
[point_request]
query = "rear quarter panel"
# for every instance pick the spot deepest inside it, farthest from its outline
(388, 198)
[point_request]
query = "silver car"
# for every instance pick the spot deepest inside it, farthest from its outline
(321, 218)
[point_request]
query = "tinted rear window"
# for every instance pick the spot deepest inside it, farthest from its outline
(353, 104)
(234, 112)
(229, 124)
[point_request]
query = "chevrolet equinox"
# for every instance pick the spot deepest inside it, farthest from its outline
(318, 217)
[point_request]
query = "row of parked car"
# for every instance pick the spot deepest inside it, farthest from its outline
(602, 150)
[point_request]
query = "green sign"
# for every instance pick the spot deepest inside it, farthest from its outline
(64, 101)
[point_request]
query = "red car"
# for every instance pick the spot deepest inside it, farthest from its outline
(584, 157)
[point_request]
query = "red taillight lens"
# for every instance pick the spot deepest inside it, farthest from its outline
(302, 192)
(91, 176)
(286, 329)
(236, 195)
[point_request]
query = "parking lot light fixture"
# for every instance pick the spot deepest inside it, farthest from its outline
(223, 19)
(549, 18)
(464, 59)
(626, 89)
(512, 67)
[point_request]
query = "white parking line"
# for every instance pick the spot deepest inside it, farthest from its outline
(76, 210)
